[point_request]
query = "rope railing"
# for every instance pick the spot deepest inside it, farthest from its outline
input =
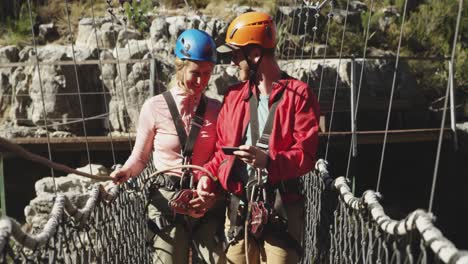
(110, 228)
(11, 228)
(362, 222)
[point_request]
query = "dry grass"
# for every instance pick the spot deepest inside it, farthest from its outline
(222, 8)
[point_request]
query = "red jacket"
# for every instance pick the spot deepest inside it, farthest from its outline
(294, 137)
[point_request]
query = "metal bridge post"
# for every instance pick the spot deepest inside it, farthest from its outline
(2, 188)
(452, 105)
(353, 120)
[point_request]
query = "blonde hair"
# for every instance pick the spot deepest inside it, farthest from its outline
(178, 79)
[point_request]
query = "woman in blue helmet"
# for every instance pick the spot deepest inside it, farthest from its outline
(163, 120)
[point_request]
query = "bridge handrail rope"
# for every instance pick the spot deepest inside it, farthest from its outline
(9, 227)
(418, 220)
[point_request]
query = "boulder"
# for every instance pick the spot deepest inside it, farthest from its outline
(159, 28)
(53, 93)
(126, 35)
(98, 32)
(9, 54)
(48, 32)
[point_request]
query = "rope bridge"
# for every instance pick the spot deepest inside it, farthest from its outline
(339, 227)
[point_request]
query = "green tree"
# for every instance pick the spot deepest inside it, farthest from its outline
(430, 31)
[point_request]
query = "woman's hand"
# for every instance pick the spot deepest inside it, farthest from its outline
(121, 175)
(205, 197)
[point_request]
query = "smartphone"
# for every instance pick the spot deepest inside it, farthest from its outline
(229, 150)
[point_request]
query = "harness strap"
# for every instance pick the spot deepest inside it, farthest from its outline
(254, 126)
(197, 124)
(176, 118)
(263, 143)
(186, 143)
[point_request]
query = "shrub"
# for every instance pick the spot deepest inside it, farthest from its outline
(430, 32)
(18, 31)
(137, 14)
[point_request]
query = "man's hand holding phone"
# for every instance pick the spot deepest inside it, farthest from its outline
(251, 155)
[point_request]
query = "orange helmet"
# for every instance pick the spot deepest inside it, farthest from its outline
(250, 28)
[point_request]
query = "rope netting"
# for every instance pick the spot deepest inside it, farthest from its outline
(110, 228)
(339, 227)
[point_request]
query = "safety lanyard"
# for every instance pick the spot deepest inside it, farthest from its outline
(197, 122)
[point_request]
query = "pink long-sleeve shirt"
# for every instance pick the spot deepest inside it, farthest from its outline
(156, 132)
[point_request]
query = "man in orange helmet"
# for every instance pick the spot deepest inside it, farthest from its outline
(273, 120)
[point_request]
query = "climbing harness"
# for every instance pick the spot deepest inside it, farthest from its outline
(185, 192)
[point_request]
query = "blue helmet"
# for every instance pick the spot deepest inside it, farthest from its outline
(197, 45)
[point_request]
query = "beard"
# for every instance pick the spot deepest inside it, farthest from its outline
(244, 70)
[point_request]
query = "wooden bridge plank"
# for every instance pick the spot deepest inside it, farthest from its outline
(103, 143)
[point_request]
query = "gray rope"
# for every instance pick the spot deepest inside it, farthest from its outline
(444, 112)
(301, 9)
(314, 36)
(329, 16)
(49, 149)
(68, 10)
(384, 144)
(336, 80)
(102, 83)
(290, 31)
(129, 50)
(119, 73)
(153, 57)
(364, 51)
